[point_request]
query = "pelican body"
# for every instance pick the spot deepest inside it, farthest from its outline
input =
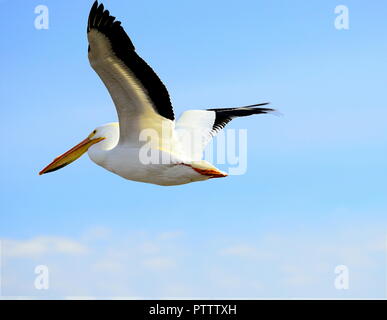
(124, 159)
(147, 144)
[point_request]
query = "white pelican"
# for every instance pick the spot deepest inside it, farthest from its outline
(144, 111)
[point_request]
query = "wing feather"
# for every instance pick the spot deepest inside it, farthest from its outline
(141, 99)
(196, 128)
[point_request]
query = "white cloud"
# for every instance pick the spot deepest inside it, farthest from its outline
(240, 251)
(40, 246)
(246, 251)
(267, 266)
(149, 247)
(96, 233)
(108, 266)
(159, 263)
(170, 235)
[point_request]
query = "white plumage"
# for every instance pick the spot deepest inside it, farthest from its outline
(147, 144)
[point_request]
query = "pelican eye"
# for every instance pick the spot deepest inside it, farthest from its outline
(91, 135)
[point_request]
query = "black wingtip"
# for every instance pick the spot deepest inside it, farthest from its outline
(91, 14)
(94, 7)
(254, 108)
(225, 115)
(96, 12)
(257, 105)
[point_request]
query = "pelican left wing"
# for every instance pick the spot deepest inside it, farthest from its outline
(141, 99)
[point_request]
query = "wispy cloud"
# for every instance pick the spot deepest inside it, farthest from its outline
(40, 246)
(244, 251)
(170, 235)
(159, 263)
(135, 264)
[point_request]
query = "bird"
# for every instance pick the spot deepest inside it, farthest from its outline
(147, 144)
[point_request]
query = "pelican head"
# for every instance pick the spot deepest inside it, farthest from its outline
(106, 133)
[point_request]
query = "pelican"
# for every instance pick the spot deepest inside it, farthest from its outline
(147, 144)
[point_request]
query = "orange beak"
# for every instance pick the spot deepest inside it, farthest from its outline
(70, 156)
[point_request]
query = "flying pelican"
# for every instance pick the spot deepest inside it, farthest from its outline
(173, 154)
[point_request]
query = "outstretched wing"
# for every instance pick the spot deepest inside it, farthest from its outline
(195, 128)
(141, 99)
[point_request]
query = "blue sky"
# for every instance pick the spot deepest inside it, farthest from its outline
(313, 197)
